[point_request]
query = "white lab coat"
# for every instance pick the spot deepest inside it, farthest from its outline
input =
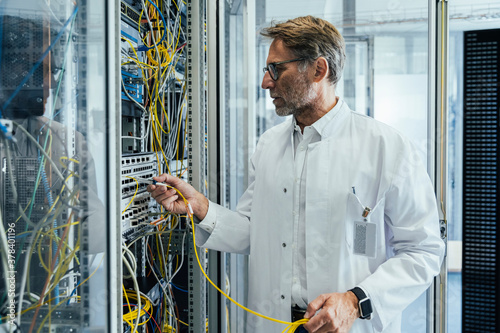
(354, 151)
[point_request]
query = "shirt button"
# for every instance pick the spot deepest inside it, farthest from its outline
(284, 244)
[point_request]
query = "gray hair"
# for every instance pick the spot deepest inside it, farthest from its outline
(311, 37)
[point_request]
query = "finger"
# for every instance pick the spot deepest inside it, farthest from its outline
(168, 179)
(169, 202)
(151, 188)
(314, 306)
(161, 178)
(317, 324)
(161, 193)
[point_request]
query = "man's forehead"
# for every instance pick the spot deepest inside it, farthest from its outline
(278, 51)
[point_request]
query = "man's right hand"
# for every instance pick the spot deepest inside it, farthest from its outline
(172, 201)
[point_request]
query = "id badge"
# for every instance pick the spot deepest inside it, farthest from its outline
(365, 238)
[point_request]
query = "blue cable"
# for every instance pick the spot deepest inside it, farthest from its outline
(146, 48)
(74, 290)
(45, 183)
(4, 129)
(151, 322)
(38, 63)
(173, 285)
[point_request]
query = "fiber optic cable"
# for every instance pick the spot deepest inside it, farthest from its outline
(66, 230)
(84, 281)
(164, 26)
(291, 326)
(135, 193)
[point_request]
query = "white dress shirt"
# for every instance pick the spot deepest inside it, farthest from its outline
(301, 143)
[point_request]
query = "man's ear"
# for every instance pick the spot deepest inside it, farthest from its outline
(321, 69)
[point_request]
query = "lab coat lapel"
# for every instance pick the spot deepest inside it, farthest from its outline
(272, 211)
(327, 168)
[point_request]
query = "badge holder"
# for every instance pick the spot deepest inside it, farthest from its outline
(365, 236)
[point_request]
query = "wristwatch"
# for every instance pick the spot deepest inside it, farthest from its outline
(364, 303)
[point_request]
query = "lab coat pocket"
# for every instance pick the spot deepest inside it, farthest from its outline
(362, 234)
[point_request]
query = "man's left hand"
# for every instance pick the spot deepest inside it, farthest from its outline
(338, 313)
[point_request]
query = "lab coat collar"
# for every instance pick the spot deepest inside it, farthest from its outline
(326, 125)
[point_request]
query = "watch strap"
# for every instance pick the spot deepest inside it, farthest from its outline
(364, 303)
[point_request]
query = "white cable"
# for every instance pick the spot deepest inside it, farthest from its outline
(24, 275)
(64, 277)
(130, 97)
(152, 35)
(136, 287)
(131, 258)
(165, 292)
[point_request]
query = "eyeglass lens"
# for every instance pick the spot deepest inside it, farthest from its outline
(272, 71)
(271, 68)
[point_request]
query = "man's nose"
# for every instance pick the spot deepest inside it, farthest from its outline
(267, 81)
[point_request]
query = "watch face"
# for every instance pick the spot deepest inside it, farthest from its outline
(365, 307)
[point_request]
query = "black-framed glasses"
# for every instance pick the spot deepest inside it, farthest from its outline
(273, 71)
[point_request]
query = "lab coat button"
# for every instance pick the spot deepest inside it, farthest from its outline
(284, 244)
(284, 190)
(282, 296)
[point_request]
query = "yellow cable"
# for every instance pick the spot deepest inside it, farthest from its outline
(54, 238)
(135, 193)
(291, 326)
(65, 166)
(163, 153)
(62, 302)
(133, 314)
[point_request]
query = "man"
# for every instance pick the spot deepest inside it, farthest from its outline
(340, 217)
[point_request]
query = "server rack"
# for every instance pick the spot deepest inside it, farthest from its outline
(54, 228)
(115, 91)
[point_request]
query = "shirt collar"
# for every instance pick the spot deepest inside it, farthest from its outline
(322, 125)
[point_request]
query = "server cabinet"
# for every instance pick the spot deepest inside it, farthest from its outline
(54, 180)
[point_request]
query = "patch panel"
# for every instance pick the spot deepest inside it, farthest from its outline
(134, 233)
(138, 211)
(129, 14)
(64, 317)
(129, 189)
(137, 158)
(134, 86)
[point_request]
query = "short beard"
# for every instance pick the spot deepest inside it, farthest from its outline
(301, 98)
